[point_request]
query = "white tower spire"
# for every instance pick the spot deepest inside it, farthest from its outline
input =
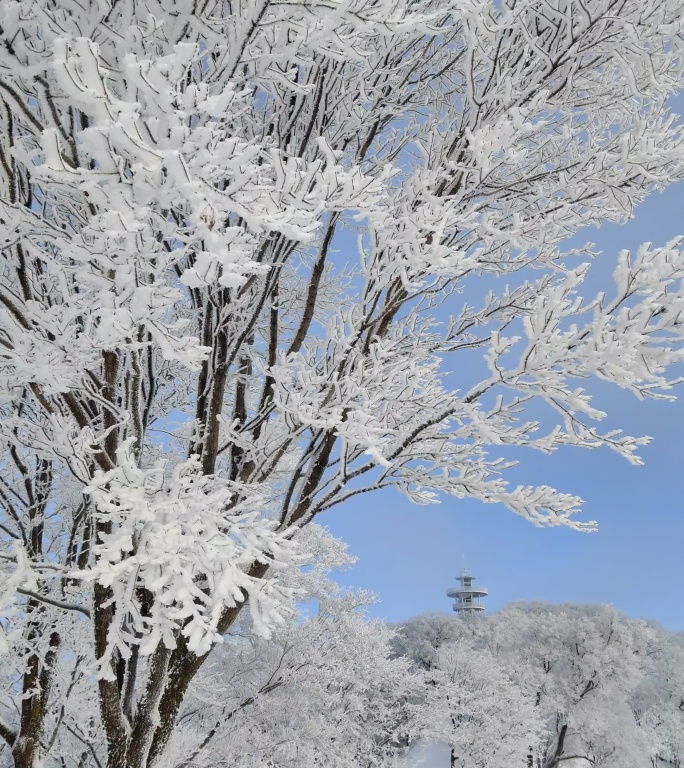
(467, 597)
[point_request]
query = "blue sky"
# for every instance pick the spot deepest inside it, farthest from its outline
(409, 555)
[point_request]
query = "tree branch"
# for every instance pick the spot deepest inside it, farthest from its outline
(56, 603)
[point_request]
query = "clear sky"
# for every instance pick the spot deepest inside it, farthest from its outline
(409, 555)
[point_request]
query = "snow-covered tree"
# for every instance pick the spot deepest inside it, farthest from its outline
(597, 688)
(322, 693)
(581, 664)
(324, 689)
(242, 242)
(658, 702)
(472, 705)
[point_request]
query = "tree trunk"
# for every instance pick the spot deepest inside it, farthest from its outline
(555, 758)
(25, 752)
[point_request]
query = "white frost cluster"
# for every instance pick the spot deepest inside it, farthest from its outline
(189, 541)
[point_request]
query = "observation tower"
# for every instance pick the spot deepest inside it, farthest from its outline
(467, 597)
